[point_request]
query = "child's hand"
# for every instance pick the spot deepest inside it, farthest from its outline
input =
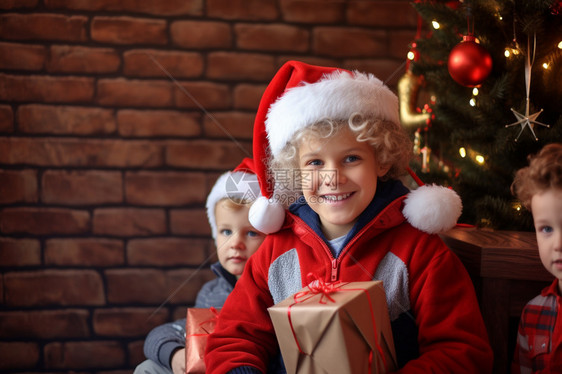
(178, 361)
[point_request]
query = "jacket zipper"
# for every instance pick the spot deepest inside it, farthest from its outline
(334, 276)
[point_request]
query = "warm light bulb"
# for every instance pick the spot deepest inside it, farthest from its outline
(410, 55)
(479, 159)
(435, 25)
(475, 91)
(462, 152)
(506, 53)
(560, 45)
(545, 65)
(472, 102)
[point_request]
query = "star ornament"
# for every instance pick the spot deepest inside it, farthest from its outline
(526, 120)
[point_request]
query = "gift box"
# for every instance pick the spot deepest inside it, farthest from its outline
(335, 328)
(200, 322)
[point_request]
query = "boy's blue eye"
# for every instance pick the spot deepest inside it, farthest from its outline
(351, 158)
(314, 163)
(226, 232)
(546, 229)
(253, 234)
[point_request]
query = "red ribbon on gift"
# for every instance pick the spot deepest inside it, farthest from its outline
(214, 318)
(318, 286)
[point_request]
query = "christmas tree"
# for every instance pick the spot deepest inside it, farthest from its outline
(492, 71)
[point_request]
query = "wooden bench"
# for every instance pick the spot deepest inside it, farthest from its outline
(507, 272)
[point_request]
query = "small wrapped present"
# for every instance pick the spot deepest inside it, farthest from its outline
(339, 328)
(200, 322)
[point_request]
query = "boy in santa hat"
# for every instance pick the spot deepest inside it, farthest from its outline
(236, 240)
(334, 138)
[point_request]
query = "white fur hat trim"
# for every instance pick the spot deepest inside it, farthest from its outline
(336, 96)
(266, 215)
(233, 185)
(432, 208)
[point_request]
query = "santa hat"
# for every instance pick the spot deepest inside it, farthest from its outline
(241, 184)
(300, 95)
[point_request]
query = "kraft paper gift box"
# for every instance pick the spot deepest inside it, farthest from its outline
(200, 322)
(342, 328)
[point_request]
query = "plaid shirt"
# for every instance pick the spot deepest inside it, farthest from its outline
(539, 339)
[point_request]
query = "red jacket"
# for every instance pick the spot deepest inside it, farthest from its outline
(436, 321)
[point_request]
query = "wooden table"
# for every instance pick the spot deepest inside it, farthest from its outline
(507, 272)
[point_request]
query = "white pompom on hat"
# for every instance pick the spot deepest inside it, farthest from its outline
(298, 96)
(241, 184)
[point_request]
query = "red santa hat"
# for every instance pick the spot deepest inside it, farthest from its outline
(300, 95)
(241, 184)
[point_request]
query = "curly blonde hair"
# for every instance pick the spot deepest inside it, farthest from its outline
(390, 142)
(544, 172)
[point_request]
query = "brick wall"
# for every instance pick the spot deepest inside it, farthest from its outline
(105, 161)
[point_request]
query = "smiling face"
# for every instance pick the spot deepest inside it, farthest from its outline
(339, 179)
(547, 216)
(236, 238)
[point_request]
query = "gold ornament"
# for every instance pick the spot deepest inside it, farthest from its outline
(408, 90)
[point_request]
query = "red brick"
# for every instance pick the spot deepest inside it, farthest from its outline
(53, 287)
(128, 30)
(243, 9)
(136, 353)
(18, 186)
(127, 322)
(179, 312)
(154, 287)
(229, 124)
(381, 13)
(84, 252)
(164, 188)
(79, 152)
(381, 68)
(46, 89)
(128, 286)
(312, 60)
(184, 284)
(166, 251)
(248, 96)
(14, 4)
(18, 355)
(139, 63)
(152, 123)
(399, 42)
(152, 7)
(189, 222)
(45, 324)
(44, 221)
(277, 37)
(6, 119)
(19, 252)
(137, 93)
(17, 56)
(43, 26)
(129, 222)
(201, 34)
(81, 187)
(47, 119)
(202, 95)
(77, 59)
(313, 11)
(84, 355)
(240, 66)
(349, 42)
(217, 155)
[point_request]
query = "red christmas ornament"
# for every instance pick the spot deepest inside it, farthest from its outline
(469, 63)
